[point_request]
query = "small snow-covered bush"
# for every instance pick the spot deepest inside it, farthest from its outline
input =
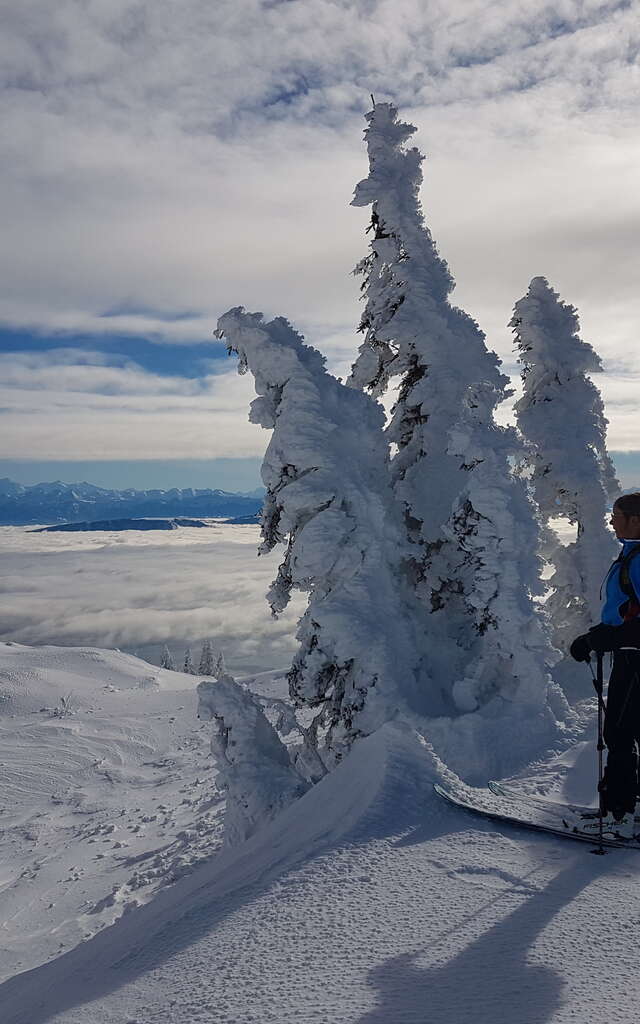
(65, 706)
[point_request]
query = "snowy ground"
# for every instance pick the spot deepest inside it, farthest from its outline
(368, 900)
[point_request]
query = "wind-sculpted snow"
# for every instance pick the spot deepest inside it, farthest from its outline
(253, 764)
(329, 498)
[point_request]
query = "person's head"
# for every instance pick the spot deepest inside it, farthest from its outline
(625, 518)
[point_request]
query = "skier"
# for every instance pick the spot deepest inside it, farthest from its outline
(619, 632)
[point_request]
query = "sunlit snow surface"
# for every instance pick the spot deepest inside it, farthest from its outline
(137, 591)
(368, 901)
(107, 792)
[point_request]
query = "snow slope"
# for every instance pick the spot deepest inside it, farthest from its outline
(100, 807)
(368, 900)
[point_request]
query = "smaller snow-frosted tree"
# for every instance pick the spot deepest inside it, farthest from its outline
(188, 663)
(207, 661)
(219, 668)
(253, 763)
(561, 417)
(329, 501)
(166, 660)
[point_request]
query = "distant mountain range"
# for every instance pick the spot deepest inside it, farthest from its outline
(71, 503)
(112, 525)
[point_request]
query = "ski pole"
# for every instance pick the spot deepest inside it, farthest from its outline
(599, 685)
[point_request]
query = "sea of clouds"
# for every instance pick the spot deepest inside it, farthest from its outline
(138, 591)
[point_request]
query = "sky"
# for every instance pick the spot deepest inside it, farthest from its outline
(161, 163)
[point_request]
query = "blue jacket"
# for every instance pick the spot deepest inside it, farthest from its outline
(614, 595)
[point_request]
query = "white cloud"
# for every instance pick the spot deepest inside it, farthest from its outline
(85, 410)
(620, 393)
(202, 156)
(140, 590)
(70, 370)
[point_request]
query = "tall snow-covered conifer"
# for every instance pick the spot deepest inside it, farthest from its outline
(412, 332)
(562, 419)
(207, 660)
(219, 668)
(329, 500)
(450, 455)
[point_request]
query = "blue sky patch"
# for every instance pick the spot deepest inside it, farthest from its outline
(165, 359)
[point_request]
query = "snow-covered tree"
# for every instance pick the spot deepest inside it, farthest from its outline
(413, 333)
(219, 668)
(329, 500)
(166, 661)
(207, 661)
(562, 419)
(449, 387)
(188, 663)
(253, 763)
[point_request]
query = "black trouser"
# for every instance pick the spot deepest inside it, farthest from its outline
(622, 733)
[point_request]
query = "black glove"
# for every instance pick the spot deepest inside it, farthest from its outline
(604, 638)
(581, 648)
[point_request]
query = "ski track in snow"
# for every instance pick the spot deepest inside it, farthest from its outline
(369, 901)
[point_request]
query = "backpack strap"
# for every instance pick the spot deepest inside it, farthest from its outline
(626, 584)
(631, 608)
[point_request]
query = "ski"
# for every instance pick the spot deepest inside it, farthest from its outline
(563, 811)
(542, 804)
(487, 805)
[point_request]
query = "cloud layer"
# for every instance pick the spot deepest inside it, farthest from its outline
(73, 404)
(133, 591)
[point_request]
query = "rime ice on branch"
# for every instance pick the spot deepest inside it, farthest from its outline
(561, 416)
(329, 500)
